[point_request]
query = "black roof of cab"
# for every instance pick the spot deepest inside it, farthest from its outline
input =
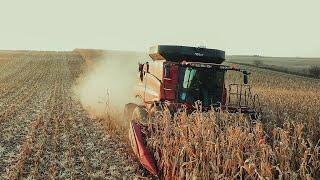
(186, 53)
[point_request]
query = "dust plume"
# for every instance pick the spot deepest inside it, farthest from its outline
(108, 83)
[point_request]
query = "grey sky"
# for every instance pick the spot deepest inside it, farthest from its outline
(269, 27)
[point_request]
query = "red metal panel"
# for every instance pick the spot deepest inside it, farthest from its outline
(138, 145)
(169, 85)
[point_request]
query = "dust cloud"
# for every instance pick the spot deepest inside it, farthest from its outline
(108, 83)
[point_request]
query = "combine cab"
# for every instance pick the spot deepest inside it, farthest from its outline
(179, 76)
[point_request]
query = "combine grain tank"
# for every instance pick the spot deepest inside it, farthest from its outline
(190, 54)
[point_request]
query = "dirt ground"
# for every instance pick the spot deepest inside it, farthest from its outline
(44, 131)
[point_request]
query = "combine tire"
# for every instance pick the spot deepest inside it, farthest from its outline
(140, 114)
(155, 111)
(128, 110)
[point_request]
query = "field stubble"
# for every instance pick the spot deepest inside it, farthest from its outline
(44, 131)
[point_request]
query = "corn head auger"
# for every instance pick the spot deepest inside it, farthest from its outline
(178, 77)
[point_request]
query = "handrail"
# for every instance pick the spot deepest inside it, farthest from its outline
(243, 97)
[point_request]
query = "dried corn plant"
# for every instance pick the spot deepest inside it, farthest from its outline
(284, 145)
(207, 145)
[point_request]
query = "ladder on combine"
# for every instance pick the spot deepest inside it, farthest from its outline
(241, 97)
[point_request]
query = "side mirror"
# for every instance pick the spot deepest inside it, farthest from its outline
(245, 77)
(141, 71)
(140, 67)
(147, 63)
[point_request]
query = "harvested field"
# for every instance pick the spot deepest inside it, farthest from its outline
(44, 131)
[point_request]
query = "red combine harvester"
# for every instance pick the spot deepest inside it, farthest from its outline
(179, 76)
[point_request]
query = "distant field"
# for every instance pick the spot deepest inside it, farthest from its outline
(285, 64)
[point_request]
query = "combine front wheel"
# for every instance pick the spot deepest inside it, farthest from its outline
(139, 114)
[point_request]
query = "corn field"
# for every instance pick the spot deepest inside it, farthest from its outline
(284, 144)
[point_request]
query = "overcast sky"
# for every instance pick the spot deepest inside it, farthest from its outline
(269, 27)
